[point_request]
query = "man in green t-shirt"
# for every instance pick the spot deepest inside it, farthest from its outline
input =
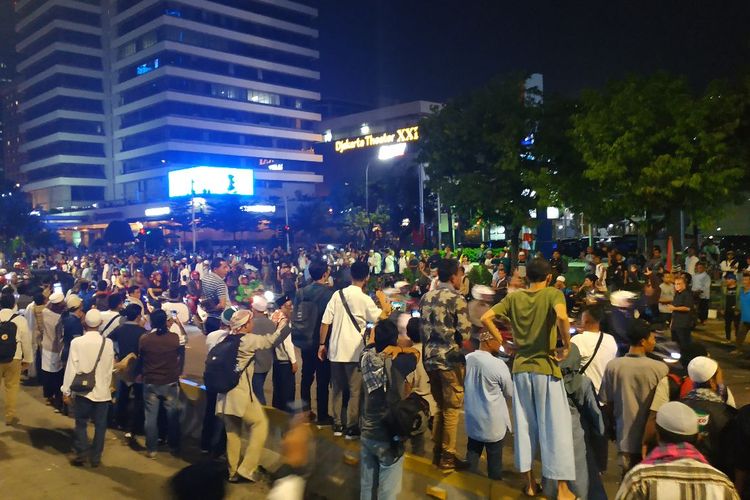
(540, 407)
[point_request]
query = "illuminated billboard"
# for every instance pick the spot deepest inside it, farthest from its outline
(210, 180)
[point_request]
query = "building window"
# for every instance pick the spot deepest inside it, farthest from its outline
(263, 97)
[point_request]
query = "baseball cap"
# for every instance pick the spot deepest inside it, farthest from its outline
(677, 418)
(701, 369)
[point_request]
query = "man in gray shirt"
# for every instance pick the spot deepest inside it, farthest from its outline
(627, 390)
(264, 357)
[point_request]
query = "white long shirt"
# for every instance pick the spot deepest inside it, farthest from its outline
(82, 357)
(23, 335)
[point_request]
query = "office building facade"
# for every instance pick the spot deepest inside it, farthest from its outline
(118, 93)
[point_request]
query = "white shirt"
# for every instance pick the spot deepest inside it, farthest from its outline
(82, 357)
(690, 263)
(702, 284)
(346, 341)
(108, 325)
(285, 351)
(586, 343)
(23, 335)
(667, 293)
(390, 264)
(214, 338)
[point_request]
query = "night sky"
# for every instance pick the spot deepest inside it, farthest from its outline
(386, 51)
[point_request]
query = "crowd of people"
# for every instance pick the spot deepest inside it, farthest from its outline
(398, 345)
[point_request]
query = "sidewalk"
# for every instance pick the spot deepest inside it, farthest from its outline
(34, 457)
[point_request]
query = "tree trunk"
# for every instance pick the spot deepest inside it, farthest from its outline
(514, 243)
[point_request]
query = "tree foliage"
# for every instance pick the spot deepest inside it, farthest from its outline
(476, 160)
(651, 147)
(118, 232)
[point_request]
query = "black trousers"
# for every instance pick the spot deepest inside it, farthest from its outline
(51, 383)
(703, 309)
(213, 437)
(682, 336)
(731, 318)
(312, 369)
(283, 385)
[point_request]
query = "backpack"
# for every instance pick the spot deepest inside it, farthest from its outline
(8, 340)
(304, 320)
(222, 373)
(407, 417)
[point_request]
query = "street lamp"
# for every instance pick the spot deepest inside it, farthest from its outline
(385, 153)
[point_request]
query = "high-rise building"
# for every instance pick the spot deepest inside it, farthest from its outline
(118, 93)
(7, 72)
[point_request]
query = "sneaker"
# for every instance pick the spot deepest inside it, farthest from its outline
(352, 433)
(161, 442)
(338, 430)
(128, 435)
(94, 465)
(150, 454)
(77, 461)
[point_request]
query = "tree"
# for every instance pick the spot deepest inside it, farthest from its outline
(118, 232)
(18, 225)
(652, 148)
(359, 224)
(226, 213)
(477, 162)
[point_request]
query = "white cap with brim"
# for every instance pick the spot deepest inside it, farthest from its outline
(482, 292)
(701, 369)
(677, 418)
(56, 298)
(93, 318)
(561, 279)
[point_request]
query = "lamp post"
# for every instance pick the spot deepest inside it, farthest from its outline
(367, 188)
(192, 210)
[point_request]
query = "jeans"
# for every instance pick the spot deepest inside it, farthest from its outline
(283, 385)
(154, 395)
(130, 421)
(346, 376)
(259, 381)
(494, 457)
(213, 438)
(85, 410)
(381, 470)
(313, 368)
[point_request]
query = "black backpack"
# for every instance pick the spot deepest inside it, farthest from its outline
(8, 340)
(222, 373)
(304, 319)
(406, 417)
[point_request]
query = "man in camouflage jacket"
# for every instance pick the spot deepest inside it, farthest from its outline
(445, 324)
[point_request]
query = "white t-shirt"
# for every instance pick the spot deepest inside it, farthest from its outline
(346, 341)
(690, 263)
(667, 293)
(586, 343)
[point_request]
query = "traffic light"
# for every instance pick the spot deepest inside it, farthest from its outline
(287, 228)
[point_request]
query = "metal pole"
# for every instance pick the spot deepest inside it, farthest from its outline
(421, 198)
(439, 219)
(286, 221)
(367, 189)
(682, 231)
(192, 210)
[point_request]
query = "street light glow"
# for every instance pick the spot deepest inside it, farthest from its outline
(390, 151)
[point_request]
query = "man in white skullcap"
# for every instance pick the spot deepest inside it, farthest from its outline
(90, 353)
(675, 469)
(52, 346)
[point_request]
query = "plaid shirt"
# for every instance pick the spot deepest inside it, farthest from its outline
(676, 471)
(445, 318)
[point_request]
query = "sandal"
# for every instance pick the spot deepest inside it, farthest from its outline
(537, 491)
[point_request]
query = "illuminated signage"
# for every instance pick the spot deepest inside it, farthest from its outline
(271, 164)
(407, 134)
(210, 180)
(259, 209)
(157, 211)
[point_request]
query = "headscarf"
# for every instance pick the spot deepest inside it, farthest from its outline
(570, 367)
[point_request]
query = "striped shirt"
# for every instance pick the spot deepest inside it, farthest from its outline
(686, 476)
(213, 289)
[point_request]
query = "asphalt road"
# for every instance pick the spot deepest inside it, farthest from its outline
(736, 371)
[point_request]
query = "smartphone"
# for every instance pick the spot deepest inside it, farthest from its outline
(370, 325)
(57, 288)
(416, 314)
(398, 306)
(174, 314)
